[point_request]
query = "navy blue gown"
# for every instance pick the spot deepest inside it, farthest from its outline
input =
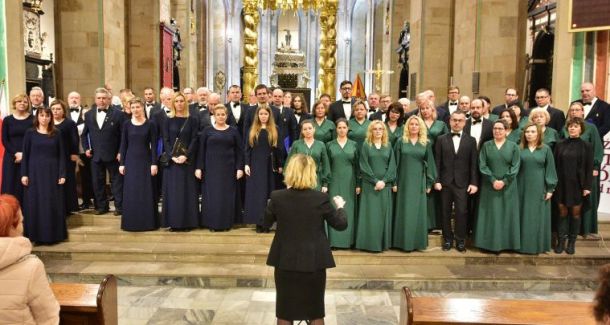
(261, 181)
(13, 131)
(139, 208)
(220, 156)
(44, 211)
(69, 135)
(180, 200)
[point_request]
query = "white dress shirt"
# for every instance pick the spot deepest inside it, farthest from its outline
(347, 108)
(452, 107)
(456, 141)
(588, 107)
(101, 116)
(236, 110)
(476, 129)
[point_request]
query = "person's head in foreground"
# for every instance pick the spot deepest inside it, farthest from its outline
(601, 304)
(25, 297)
(301, 173)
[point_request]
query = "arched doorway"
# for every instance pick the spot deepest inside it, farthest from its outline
(541, 64)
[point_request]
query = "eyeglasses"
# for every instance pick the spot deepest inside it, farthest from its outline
(541, 97)
(511, 95)
(346, 88)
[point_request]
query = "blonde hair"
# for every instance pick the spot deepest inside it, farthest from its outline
(540, 111)
(172, 110)
(422, 137)
(369, 133)
(429, 104)
(301, 172)
(255, 130)
(19, 98)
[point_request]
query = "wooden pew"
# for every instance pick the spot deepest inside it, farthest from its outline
(438, 310)
(86, 304)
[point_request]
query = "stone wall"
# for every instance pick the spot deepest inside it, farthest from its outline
(144, 45)
(15, 70)
(114, 44)
(464, 47)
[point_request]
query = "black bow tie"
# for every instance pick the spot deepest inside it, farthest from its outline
(236, 104)
(585, 104)
(453, 103)
(476, 120)
(372, 110)
(150, 104)
(202, 107)
(102, 110)
(453, 134)
(74, 110)
(347, 102)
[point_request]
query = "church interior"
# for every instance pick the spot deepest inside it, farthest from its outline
(394, 47)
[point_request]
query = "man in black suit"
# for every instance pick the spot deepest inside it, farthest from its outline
(202, 101)
(237, 109)
(597, 111)
(373, 104)
(151, 106)
(77, 114)
(543, 100)
(451, 105)
(101, 139)
(510, 95)
(384, 104)
(342, 108)
(262, 96)
(287, 124)
(36, 99)
(478, 127)
(456, 159)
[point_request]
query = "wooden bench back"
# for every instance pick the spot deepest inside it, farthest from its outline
(438, 310)
(88, 303)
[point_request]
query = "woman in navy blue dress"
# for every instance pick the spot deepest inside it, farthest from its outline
(44, 174)
(261, 144)
(13, 130)
(219, 164)
(180, 201)
(138, 166)
(69, 136)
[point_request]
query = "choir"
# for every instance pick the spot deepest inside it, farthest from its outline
(511, 179)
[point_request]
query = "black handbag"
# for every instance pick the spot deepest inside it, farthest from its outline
(178, 149)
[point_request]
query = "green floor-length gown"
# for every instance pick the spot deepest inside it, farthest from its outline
(319, 155)
(437, 129)
(537, 176)
(374, 227)
(497, 225)
(415, 173)
(357, 131)
(325, 132)
(589, 214)
(393, 136)
(343, 181)
(514, 136)
(550, 137)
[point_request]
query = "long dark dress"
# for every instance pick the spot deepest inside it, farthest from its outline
(537, 176)
(220, 156)
(374, 228)
(437, 129)
(574, 162)
(44, 211)
(139, 209)
(343, 181)
(261, 181)
(589, 213)
(416, 170)
(180, 201)
(498, 224)
(13, 131)
(69, 135)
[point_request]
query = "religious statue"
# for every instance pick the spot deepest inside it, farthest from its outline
(404, 42)
(177, 48)
(288, 38)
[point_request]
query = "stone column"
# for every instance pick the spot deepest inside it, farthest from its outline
(563, 52)
(430, 45)
(144, 45)
(328, 48)
(14, 52)
(251, 20)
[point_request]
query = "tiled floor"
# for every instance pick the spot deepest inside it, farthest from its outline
(168, 305)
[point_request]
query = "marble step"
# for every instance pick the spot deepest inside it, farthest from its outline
(89, 228)
(387, 277)
(257, 254)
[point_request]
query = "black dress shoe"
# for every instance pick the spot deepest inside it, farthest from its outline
(447, 245)
(85, 206)
(100, 212)
(118, 212)
(461, 246)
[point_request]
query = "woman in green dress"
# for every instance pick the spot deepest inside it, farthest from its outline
(393, 122)
(343, 156)
(378, 171)
(497, 225)
(517, 108)
(537, 179)
(416, 172)
(590, 135)
(309, 146)
(435, 128)
(513, 132)
(541, 117)
(359, 124)
(487, 109)
(325, 128)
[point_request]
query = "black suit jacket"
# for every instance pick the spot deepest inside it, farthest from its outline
(287, 125)
(104, 142)
(600, 116)
(459, 168)
(300, 242)
(486, 131)
(155, 108)
(498, 109)
(194, 109)
(335, 111)
(242, 117)
(377, 116)
(558, 119)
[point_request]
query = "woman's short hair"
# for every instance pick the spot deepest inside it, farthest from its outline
(503, 122)
(301, 172)
(315, 105)
(221, 107)
(601, 304)
(540, 111)
(576, 120)
(396, 107)
(136, 100)
(19, 98)
(540, 139)
(9, 214)
(64, 106)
